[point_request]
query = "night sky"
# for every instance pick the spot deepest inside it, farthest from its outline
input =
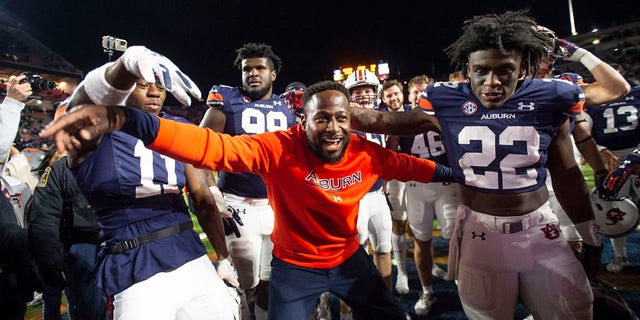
(312, 38)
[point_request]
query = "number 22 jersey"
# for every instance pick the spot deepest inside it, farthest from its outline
(501, 150)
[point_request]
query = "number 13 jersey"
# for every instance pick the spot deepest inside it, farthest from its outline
(501, 150)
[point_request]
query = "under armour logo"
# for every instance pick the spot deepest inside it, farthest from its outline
(277, 103)
(551, 231)
(483, 235)
(615, 215)
(624, 164)
(236, 211)
(337, 198)
(526, 107)
(412, 184)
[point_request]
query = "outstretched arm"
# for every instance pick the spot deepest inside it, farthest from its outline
(409, 123)
(82, 124)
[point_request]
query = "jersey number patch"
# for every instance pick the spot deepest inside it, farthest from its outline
(254, 121)
(427, 146)
(511, 173)
(632, 119)
(149, 178)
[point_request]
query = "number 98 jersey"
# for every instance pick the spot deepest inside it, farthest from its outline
(248, 117)
(501, 150)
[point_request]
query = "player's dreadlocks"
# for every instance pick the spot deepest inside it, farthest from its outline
(512, 30)
(258, 50)
(322, 86)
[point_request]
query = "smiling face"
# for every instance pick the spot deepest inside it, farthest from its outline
(393, 98)
(257, 78)
(148, 97)
(327, 125)
(494, 75)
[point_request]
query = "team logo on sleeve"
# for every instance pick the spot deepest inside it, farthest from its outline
(44, 178)
(469, 108)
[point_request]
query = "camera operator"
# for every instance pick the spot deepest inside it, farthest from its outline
(17, 276)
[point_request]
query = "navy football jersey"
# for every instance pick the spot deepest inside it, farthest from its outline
(135, 191)
(615, 124)
(501, 150)
(427, 146)
(248, 117)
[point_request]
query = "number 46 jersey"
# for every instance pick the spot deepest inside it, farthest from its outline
(248, 117)
(501, 150)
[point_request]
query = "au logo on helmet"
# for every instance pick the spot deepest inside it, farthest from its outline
(615, 218)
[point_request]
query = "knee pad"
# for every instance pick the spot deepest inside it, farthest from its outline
(243, 255)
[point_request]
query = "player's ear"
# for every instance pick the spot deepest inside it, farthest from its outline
(274, 75)
(523, 71)
(303, 121)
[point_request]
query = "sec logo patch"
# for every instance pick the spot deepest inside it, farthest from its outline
(469, 108)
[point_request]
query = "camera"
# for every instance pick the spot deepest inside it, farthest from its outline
(38, 83)
(110, 43)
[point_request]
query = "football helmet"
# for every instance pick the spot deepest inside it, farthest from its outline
(361, 78)
(553, 49)
(615, 218)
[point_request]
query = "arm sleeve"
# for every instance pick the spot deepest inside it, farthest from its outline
(442, 174)
(9, 120)
(200, 147)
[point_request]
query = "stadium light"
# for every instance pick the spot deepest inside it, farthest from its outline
(572, 21)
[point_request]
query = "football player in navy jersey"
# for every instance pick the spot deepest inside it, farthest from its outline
(250, 109)
(614, 126)
(152, 265)
(426, 201)
(500, 130)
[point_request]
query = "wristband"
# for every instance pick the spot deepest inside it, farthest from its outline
(101, 92)
(583, 140)
(588, 231)
(589, 60)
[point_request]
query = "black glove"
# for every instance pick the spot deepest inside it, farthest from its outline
(591, 259)
(230, 225)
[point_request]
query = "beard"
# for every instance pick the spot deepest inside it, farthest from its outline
(257, 94)
(316, 149)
